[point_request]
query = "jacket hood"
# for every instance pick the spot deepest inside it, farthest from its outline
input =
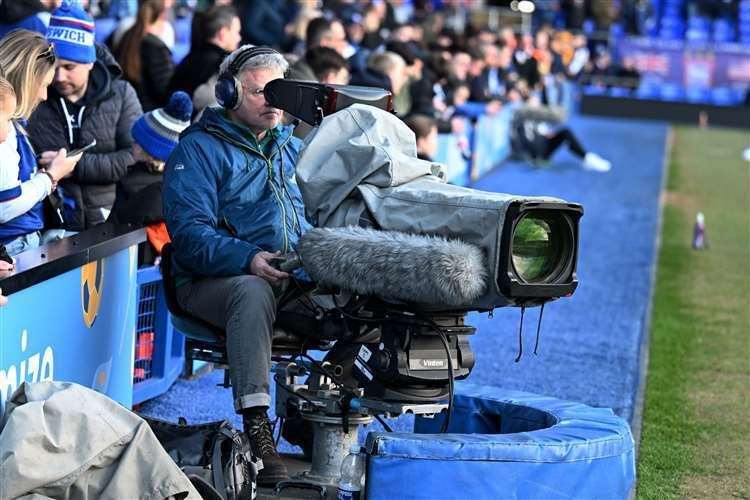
(215, 121)
(12, 11)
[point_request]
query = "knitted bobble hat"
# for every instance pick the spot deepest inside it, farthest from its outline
(158, 131)
(71, 32)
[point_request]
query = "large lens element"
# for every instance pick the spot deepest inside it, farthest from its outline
(537, 248)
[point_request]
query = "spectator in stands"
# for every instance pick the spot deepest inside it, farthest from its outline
(146, 61)
(139, 199)
(415, 87)
(225, 230)
(166, 31)
(264, 21)
(321, 32)
(385, 70)
(327, 65)
(32, 15)
(29, 65)
(426, 133)
(498, 78)
(216, 33)
(524, 62)
(296, 31)
(87, 101)
(372, 20)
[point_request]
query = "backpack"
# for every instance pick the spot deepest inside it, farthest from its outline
(216, 458)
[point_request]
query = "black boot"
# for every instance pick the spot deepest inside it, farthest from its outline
(258, 430)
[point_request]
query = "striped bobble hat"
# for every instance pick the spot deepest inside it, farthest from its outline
(158, 131)
(71, 32)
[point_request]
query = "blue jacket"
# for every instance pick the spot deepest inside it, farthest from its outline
(33, 220)
(224, 201)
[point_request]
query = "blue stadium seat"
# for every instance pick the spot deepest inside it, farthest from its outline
(103, 27)
(617, 30)
(722, 96)
(698, 94)
(672, 92)
(648, 91)
(594, 90)
(620, 92)
(179, 51)
(182, 30)
(697, 35)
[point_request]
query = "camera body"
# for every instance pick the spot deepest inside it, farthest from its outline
(359, 167)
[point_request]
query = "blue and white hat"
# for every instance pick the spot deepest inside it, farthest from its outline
(158, 131)
(71, 31)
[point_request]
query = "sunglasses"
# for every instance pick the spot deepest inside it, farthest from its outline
(48, 53)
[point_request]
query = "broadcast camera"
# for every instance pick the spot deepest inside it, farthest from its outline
(399, 257)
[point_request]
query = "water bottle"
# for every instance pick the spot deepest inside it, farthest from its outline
(352, 475)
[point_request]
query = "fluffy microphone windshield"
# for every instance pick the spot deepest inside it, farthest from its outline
(424, 269)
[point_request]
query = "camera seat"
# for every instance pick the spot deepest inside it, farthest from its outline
(206, 342)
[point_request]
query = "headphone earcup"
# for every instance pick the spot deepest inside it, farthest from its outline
(225, 91)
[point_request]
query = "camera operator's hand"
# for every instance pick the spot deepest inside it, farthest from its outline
(261, 266)
(58, 163)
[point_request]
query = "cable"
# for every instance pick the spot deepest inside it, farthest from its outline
(444, 341)
(538, 327)
(520, 337)
(382, 422)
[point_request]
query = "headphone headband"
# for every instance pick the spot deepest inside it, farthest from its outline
(228, 88)
(246, 55)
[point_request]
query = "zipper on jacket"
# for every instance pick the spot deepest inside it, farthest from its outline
(269, 165)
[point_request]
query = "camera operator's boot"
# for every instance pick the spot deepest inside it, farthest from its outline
(258, 430)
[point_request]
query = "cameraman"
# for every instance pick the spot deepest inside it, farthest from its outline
(231, 204)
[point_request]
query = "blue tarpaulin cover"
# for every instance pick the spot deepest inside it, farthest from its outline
(505, 444)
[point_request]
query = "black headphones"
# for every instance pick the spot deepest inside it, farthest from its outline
(228, 88)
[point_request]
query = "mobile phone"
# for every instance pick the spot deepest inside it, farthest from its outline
(78, 151)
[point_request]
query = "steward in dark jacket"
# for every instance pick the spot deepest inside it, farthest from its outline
(106, 112)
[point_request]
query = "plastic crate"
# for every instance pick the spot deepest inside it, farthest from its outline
(159, 348)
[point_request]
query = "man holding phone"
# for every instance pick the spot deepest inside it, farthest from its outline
(87, 102)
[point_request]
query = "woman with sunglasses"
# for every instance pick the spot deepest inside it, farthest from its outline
(28, 63)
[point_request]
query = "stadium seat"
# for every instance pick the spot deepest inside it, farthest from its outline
(722, 96)
(698, 94)
(594, 90)
(620, 92)
(182, 30)
(647, 91)
(179, 51)
(672, 92)
(103, 27)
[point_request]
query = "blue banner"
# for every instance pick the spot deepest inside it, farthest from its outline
(77, 327)
(688, 64)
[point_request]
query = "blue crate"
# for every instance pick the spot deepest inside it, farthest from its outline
(159, 348)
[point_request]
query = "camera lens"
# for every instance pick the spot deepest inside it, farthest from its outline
(538, 247)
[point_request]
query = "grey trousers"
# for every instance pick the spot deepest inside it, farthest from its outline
(245, 307)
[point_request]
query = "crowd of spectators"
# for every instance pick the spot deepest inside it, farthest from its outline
(442, 64)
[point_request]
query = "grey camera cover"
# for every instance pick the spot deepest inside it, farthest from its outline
(362, 159)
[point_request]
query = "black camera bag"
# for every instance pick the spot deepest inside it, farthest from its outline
(217, 458)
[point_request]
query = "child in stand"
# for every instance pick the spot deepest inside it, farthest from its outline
(426, 132)
(139, 193)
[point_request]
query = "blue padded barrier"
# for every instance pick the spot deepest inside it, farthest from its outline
(491, 142)
(450, 153)
(505, 444)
